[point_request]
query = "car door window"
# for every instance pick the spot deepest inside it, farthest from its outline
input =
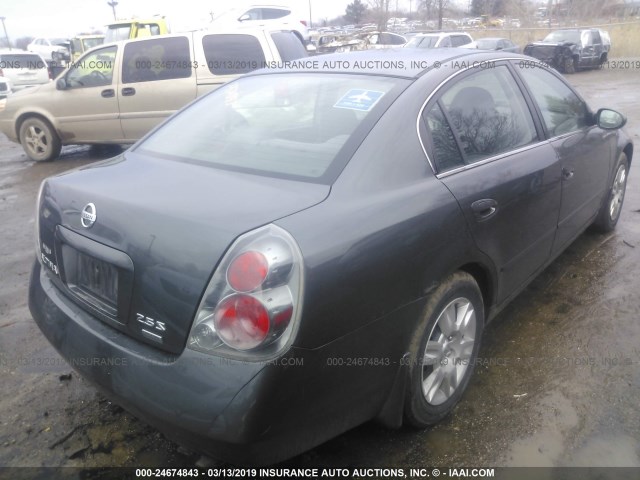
(93, 70)
(232, 54)
(562, 110)
(446, 42)
(156, 59)
(487, 115)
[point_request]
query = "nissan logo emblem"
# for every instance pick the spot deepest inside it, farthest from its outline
(88, 215)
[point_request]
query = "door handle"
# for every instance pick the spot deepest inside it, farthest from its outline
(127, 92)
(108, 93)
(567, 174)
(484, 209)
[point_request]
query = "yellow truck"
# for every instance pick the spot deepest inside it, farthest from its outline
(136, 28)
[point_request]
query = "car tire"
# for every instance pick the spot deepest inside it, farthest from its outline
(609, 213)
(444, 349)
(569, 65)
(39, 140)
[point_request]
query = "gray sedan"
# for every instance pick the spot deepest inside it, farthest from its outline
(304, 250)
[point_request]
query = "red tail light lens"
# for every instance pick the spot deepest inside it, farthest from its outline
(304, 22)
(242, 322)
(247, 271)
(251, 307)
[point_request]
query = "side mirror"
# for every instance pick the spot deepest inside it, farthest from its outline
(244, 17)
(610, 119)
(61, 84)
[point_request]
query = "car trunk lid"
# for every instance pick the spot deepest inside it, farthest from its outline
(140, 257)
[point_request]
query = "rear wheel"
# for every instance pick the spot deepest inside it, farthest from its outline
(609, 213)
(444, 350)
(39, 140)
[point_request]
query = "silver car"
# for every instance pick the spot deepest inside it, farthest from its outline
(23, 69)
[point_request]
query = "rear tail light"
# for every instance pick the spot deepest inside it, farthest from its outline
(252, 304)
(303, 22)
(1, 73)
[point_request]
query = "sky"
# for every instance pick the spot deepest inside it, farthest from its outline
(46, 18)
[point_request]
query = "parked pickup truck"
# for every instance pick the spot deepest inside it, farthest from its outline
(117, 92)
(572, 49)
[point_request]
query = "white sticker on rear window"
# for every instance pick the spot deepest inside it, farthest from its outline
(359, 99)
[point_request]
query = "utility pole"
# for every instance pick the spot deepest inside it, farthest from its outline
(6, 35)
(112, 4)
(310, 19)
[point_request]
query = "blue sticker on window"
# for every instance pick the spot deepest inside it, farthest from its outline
(359, 99)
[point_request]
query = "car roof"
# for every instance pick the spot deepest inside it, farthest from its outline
(395, 62)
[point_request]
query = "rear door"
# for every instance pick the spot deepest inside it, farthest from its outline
(487, 150)
(157, 79)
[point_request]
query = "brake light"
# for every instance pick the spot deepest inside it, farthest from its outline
(304, 22)
(252, 304)
(247, 271)
(1, 73)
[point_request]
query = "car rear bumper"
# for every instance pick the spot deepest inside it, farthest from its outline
(240, 412)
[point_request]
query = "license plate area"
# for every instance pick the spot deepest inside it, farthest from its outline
(94, 281)
(97, 277)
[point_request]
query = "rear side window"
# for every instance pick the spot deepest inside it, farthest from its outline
(273, 13)
(231, 54)
(288, 45)
(157, 59)
(562, 110)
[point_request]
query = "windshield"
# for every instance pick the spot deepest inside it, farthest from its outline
(560, 36)
(283, 125)
(423, 42)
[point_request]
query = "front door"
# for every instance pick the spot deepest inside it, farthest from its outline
(87, 109)
(585, 157)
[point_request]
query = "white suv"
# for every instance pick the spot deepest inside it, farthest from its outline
(441, 40)
(265, 16)
(23, 69)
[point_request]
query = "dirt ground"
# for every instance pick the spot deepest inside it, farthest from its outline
(559, 384)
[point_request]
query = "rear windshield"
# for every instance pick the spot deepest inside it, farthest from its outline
(21, 61)
(282, 125)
